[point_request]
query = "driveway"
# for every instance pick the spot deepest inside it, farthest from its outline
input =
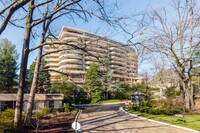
(109, 119)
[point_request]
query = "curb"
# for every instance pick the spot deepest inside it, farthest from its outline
(163, 123)
(98, 104)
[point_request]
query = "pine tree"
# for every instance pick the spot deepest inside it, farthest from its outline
(43, 79)
(8, 66)
(92, 80)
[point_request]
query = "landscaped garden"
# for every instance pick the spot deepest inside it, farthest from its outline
(189, 120)
(43, 120)
(167, 110)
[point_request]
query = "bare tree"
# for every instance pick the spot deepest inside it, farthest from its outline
(176, 36)
(7, 12)
(163, 76)
(24, 60)
(67, 8)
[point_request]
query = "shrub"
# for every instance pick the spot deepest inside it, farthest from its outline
(164, 111)
(42, 113)
(146, 104)
(7, 116)
(67, 88)
(68, 107)
(82, 97)
(134, 107)
(171, 92)
(144, 109)
(154, 111)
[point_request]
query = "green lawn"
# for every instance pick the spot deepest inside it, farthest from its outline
(192, 121)
(107, 101)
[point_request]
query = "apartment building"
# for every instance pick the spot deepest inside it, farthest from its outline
(78, 49)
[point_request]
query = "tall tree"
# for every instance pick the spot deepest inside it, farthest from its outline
(67, 8)
(106, 79)
(65, 87)
(8, 66)
(43, 77)
(92, 80)
(54, 9)
(23, 66)
(177, 39)
(8, 10)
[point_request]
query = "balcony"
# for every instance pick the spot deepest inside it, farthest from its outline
(70, 56)
(66, 36)
(52, 55)
(73, 71)
(52, 73)
(51, 59)
(70, 61)
(119, 59)
(68, 66)
(120, 76)
(117, 49)
(117, 54)
(90, 58)
(49, 64)
(120, 68)
(90, 62)
(97, 54)
(118, 63)
(96, 49)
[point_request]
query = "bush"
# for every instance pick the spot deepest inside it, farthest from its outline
(146, 104)
(164, 111)
(82, 98)
(154, 111)
(67, 88)
(68, 107)
(134, 107)
(171, 92)
(144, 109)
(42, 113)
(7, 116)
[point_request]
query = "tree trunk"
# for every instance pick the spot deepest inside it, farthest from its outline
(33, 88)
(23, 67)
(188, 95)
(106, 95)
(36, 74)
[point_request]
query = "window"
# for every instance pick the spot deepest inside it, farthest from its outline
(76, 76)
(51, 104)
(7, 105)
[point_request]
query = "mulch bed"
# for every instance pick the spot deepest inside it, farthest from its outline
(56, 123)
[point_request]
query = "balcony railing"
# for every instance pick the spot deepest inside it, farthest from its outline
(71, 66)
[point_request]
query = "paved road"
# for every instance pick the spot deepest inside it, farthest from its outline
(109, 119)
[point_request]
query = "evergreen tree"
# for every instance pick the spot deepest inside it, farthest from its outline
(43, 79)
(8, 66)
(92, 80)
(109, 85)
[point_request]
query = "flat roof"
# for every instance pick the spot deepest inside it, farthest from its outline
(96, 35)
(38, 97)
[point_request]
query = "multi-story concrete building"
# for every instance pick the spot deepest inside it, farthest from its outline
(80, 48)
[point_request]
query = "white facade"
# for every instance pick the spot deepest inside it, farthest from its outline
(75, 62)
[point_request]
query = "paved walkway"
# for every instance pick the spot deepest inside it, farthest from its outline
(109, 119)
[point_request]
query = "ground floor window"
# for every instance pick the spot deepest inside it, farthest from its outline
(51, 104)
(7, 105)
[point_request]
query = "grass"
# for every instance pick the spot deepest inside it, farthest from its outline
(107, 101)
(110, 101)
(192, 121)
